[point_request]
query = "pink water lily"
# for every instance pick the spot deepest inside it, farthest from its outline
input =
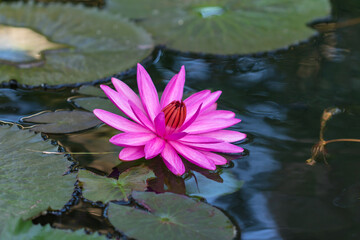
(192, 128)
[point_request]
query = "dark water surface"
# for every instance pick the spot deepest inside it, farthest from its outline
(280, 97)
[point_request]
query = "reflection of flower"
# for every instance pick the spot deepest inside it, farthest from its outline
(191, 128)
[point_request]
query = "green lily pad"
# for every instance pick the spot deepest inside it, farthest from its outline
(170, 216)
(224, 26)
(23, 44)
(91, 103)
(18, 229)
(62, 121)
(91, 91)
(96, 141)
(207, 189)
(99, 44)
(31, 182)
(99, 188)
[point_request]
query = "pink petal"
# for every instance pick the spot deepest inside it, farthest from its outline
(140, 116)
(216, 158)
(172, 160)
(193, 155)
(211, 108)
(223, 147)
(210, 100)
(118, 122)
(120, 101)
(199, 139)
(148, 93)
(225, 135)
(209, 125)
(174, 89)
(154, 147)
(193, 102)
(131, 139)
(131, 153)
(216, 114)
(159, 123)
(126, 91)
(176, 136)
(191, 120)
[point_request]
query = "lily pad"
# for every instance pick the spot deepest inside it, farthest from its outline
(23, 44)
(18, 229)
(99, 188)
(93, 141)
(31, 182)
(170, 216)
(91, 103)
(62, 121)
(91, 91)
(224, 26)
(101, 46)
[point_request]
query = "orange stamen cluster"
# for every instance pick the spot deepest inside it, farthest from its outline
(175, 114)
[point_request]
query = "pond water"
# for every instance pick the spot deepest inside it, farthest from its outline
(280, 97)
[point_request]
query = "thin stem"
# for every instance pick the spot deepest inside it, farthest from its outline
(61, 153)
(342, 140)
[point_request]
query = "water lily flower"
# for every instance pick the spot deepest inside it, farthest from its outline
(192, 128)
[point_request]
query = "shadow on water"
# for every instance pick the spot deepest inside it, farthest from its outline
(280, 98)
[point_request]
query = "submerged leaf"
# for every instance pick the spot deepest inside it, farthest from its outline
(224, 26)
(62, 121)
(31, 182)
(201, 186)
(170, 216)
(99, 44)
(19, 229)
(99, 188)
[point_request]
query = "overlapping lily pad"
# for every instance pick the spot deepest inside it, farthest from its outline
(170, 216)
(31, 182)
(103, 156)
(224, 26)
(62, 121)
(99, 44)
(18, 229)
(91, 103)
(99, 188)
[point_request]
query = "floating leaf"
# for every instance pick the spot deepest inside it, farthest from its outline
(93, 141)
(31, 182)
(22, 44)
(170, 216)
(91, 91)
(99, 188)
(224, 26)
(91, 103)
(62, 121)
(19, 229)
(203, 187)
(100, 44)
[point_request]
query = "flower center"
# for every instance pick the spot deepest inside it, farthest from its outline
(175, 114)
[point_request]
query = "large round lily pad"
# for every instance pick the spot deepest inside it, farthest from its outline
(18, 229)
(224, 26)
(170, 216)
(62, 121)
(31, 182)
(100, 188)
(99, 44)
